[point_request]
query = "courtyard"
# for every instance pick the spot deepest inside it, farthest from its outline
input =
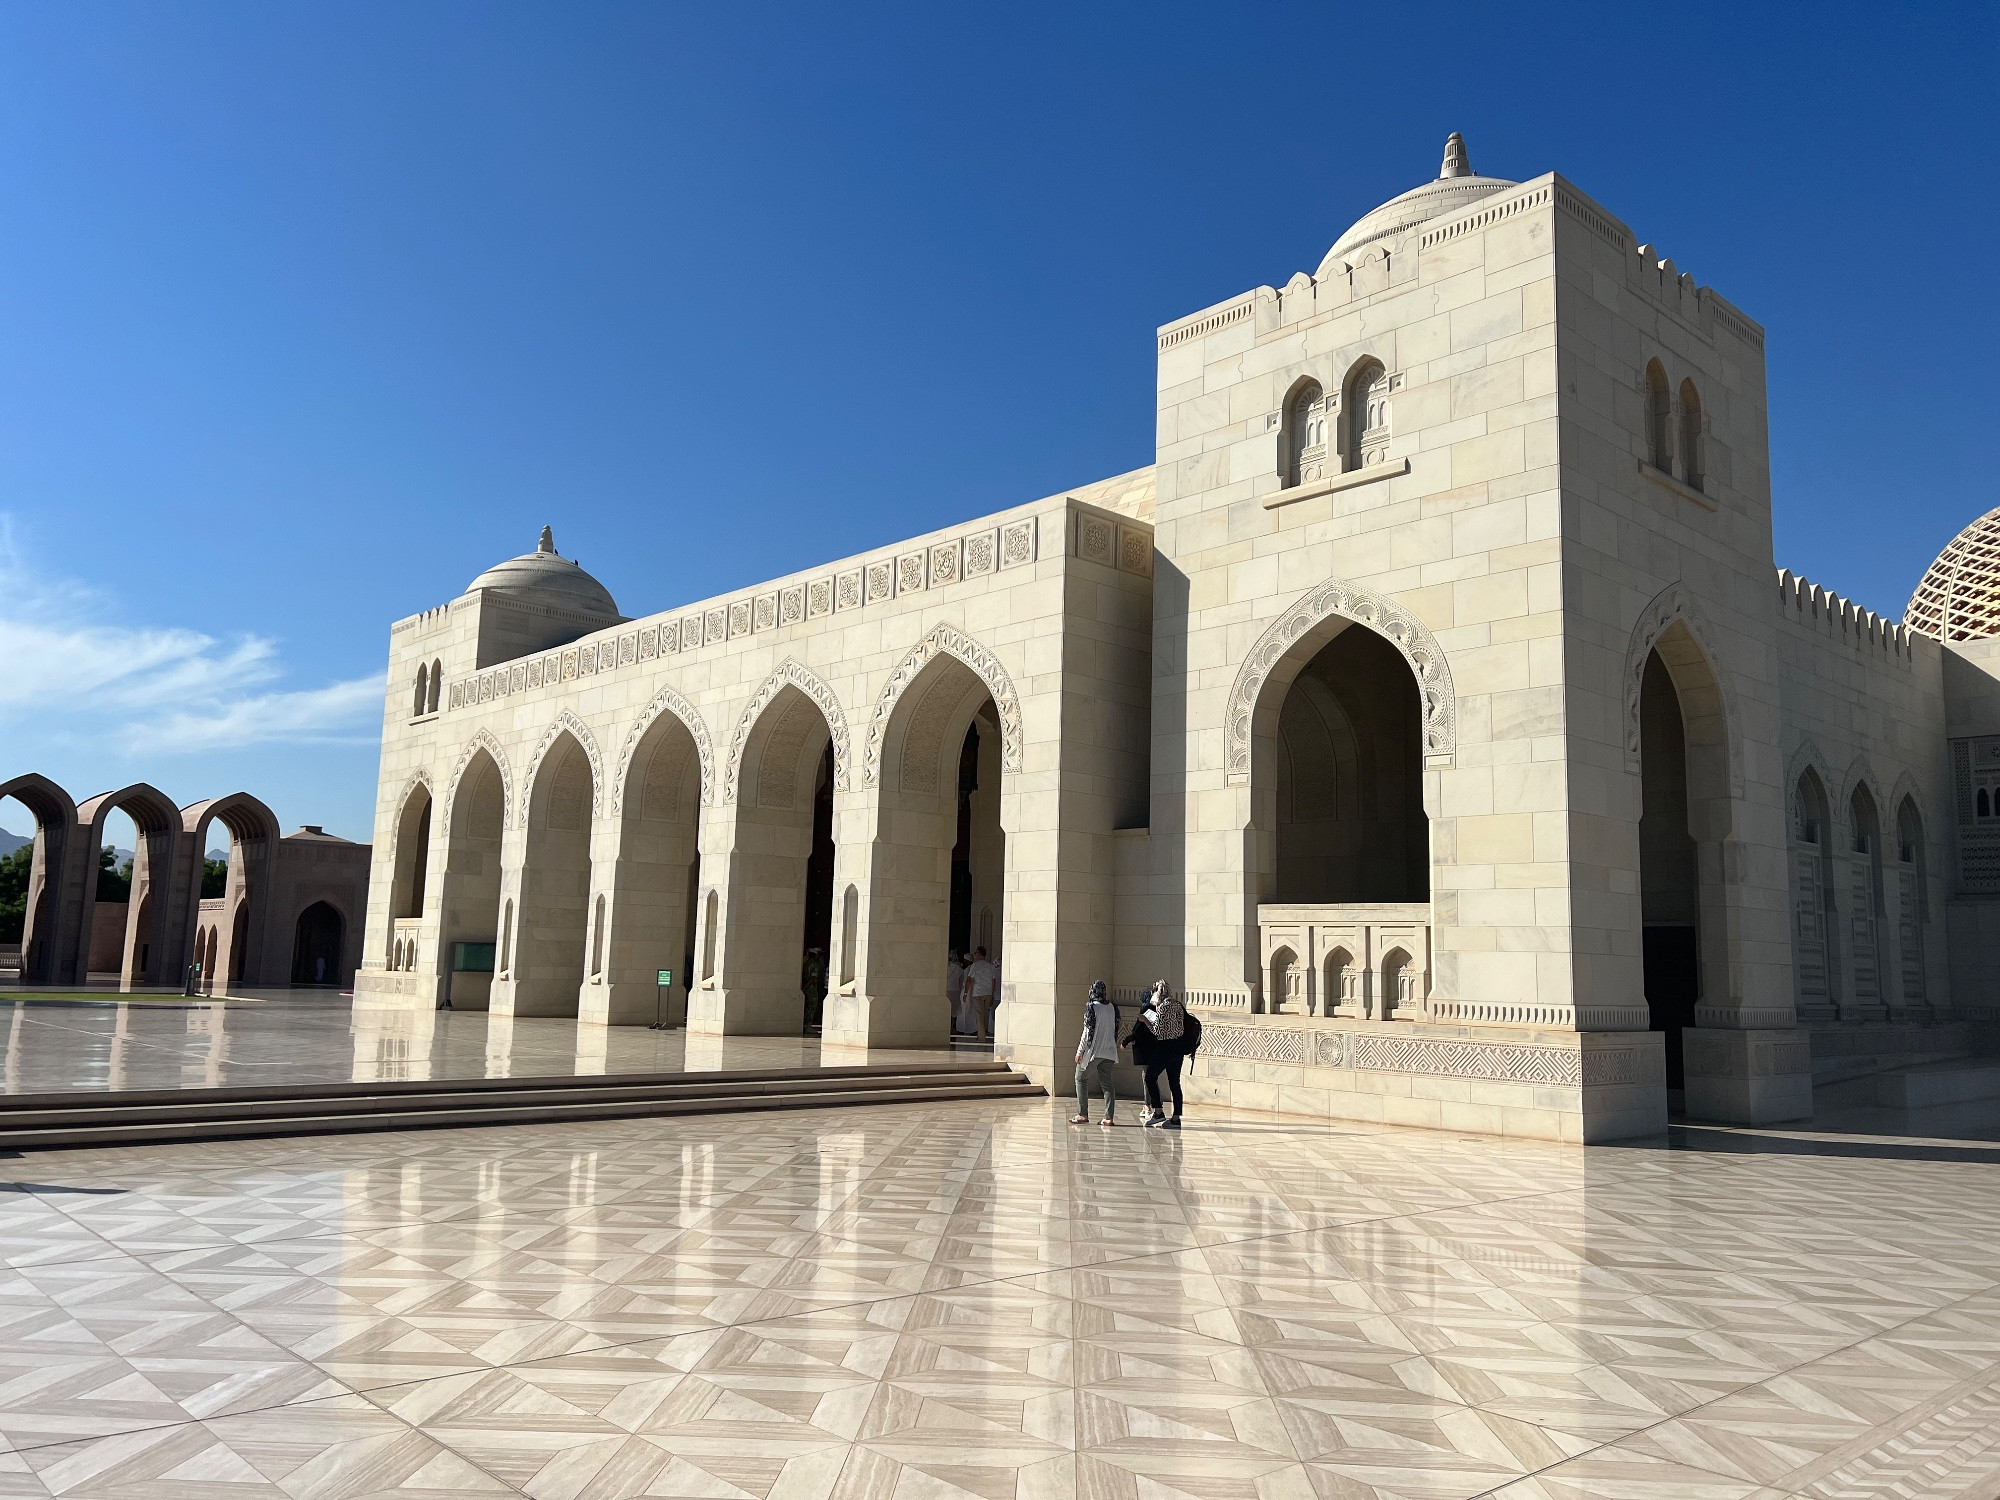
(976, 1299)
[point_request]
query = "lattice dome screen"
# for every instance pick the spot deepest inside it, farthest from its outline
(1959, 596)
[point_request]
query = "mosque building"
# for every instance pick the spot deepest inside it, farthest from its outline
(1431, 712)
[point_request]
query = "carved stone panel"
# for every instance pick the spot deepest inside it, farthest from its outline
(1017, 543)
(982, 553)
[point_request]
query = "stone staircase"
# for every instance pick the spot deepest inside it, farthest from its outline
(43, 1122)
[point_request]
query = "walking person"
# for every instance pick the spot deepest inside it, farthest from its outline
(1166, 1019)
(981, 975)
(954, 991)
(1097, 1055)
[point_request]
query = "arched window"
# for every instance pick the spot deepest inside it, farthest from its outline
(1283, 997)
(597, 941)
(423, 691)
(1910, 846)
(437, 686)
(850, 933)
(506, 936)
(1690, 435)
(1984, 806)
(1659, 419)
(1365, 415)
(1305, 435)
(709, 914)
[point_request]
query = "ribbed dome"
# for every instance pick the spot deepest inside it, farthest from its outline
(1456, 186)
(1958, 598)
(543, 577)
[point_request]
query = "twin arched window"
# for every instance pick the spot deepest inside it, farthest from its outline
(430, 685)
(1362, 409)
(1660, 429)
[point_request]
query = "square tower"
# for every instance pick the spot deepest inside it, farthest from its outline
(1425, 517)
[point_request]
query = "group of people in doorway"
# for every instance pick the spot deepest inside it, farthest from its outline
(1162, 1036)
(972, 984)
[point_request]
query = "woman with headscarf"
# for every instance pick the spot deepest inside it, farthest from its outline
(1097, 1055)
(1165, 1019)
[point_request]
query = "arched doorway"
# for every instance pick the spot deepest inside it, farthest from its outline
(1339, 844)
(1669, 867)
(1348, 794)
(938, 864)
(317, 937)
(155, 950)
(656, 878)
(1864, 903)
(469, 891)
(33, 878)
(778, 912)
(1684, 820)
(554, 918)
(235, 892)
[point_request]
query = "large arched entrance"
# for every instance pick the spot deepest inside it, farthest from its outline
(317, 938)
(1339, 843)
(554, 917)
(32, 890)
(239, 915)
(778, 911)
(937, 869)
(657, 877)
(1684, 816)
(156, 947)
(1349, 790)
(469, 894)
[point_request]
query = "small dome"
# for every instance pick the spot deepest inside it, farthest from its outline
(1958, 598)
(542, 577)
(1456, 186)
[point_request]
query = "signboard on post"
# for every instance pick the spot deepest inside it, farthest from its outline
(660, 1001)
(666, 978)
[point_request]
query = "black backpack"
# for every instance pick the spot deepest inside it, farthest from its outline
(1191, 1038)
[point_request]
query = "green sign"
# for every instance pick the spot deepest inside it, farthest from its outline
(666, 978)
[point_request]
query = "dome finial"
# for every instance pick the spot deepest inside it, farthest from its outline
(548, 541)
(1456, 162)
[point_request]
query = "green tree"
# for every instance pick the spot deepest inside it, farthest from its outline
(14, 872)
(214, 878)
(114, 883)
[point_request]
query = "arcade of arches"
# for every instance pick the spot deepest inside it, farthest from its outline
(756, 907)
(286, 912)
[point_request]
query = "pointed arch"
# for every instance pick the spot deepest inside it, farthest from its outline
(243, 815)
(948, 640)
(1674, 606)
(790, 672)
(670, 702)
(1860, 773)
(566, 723)
(482, 740)
(1402, 629)
(1807, 756)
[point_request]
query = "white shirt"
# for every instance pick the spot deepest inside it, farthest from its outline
(981, 972)
(954, 979)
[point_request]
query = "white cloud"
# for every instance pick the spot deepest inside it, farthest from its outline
(153, 689)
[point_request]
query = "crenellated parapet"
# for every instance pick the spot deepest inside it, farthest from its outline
(1841, 618)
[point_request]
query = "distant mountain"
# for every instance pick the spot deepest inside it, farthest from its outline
(221, 854)
(9, 842)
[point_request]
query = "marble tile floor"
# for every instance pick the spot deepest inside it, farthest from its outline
(976, 1300)
(324, 1038)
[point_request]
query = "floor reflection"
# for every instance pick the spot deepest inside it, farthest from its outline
(54, 1047)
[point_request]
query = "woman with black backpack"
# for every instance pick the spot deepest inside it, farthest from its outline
(1167, 1034)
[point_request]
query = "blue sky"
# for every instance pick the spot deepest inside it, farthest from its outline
(310, 312)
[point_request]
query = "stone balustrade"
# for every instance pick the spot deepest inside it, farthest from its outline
(1357, 961)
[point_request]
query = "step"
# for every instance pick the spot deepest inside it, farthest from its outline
(203, 1115)
(1960, 1081)
(166, 1107)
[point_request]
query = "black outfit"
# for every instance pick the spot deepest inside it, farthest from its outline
(1164, 1057)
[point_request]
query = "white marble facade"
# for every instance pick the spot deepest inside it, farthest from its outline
(1443, 635)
